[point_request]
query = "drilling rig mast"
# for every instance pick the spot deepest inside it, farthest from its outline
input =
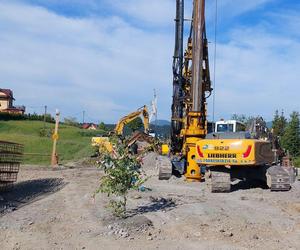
(191, 87)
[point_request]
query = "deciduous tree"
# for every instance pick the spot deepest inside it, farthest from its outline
(122, 173)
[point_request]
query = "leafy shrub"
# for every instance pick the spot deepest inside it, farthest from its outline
(122, 173)
(45, 132)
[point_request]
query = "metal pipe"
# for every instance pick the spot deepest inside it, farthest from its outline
(177, 105)
(197, 66)
(178, 53)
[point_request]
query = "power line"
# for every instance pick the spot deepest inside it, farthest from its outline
(45, 113)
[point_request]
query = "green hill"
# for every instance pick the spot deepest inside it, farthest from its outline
(73, 143)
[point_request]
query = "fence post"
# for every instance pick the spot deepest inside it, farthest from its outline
(54, 157)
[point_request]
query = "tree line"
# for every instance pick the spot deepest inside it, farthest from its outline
(288, 132)
(31, 117)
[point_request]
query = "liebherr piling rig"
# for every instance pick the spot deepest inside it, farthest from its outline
(191, 88)
(192, 151)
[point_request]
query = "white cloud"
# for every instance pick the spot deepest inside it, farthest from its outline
(75, 62)
(109, 66)
(289, 20)
(257, 74)
(154, 12)
(228, 10)
(160, 12)
(237, 7)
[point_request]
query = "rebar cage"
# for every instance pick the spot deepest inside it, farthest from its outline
(11, 155)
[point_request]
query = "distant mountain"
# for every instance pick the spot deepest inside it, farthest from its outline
(161, 123)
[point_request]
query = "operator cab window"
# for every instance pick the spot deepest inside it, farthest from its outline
(225, 128)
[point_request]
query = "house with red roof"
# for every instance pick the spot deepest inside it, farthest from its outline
(6, 103)
(89, 126)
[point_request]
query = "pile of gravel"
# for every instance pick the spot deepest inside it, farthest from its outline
(129, 227)
(149, 163)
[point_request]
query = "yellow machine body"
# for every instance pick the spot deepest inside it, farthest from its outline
(193, 133)
(234, 152)
(165, 149)
(103, 144)
(193, 172)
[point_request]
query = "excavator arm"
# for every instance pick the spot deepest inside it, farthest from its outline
(103, 143)
(143, 111)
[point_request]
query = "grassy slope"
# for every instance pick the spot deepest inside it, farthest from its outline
(71, 145)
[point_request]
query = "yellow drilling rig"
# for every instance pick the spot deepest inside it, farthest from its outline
(228, 155)
(191, 88)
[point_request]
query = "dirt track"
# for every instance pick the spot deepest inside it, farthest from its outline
(55, 210)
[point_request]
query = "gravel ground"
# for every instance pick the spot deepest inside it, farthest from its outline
(56, 210)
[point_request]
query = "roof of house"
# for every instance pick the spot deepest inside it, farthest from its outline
(15, 109)
(7, 92)
(88, 125)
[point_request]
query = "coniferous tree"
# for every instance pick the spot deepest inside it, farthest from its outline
(102, 126)
(279, 124)
(291, 137)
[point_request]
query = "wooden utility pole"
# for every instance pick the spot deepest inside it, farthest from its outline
(155, 108)
(83, 117)
(45, 117)
(54, 157)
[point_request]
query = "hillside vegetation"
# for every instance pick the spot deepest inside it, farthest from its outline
(73, 143)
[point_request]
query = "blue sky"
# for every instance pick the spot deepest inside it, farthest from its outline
(107, 56)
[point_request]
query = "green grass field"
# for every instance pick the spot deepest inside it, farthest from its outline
(73, 143)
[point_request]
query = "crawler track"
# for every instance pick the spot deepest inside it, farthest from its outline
(220, 182)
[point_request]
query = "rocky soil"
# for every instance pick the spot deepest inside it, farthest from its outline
(56, 210)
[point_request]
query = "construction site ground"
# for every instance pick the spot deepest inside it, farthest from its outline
(56, 210)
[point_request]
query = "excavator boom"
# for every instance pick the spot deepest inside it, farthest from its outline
(103, 143)
(130, 117)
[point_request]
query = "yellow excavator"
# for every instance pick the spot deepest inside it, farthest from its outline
(253, 155)
(143, 111)
(103, 143)
(228, 155)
